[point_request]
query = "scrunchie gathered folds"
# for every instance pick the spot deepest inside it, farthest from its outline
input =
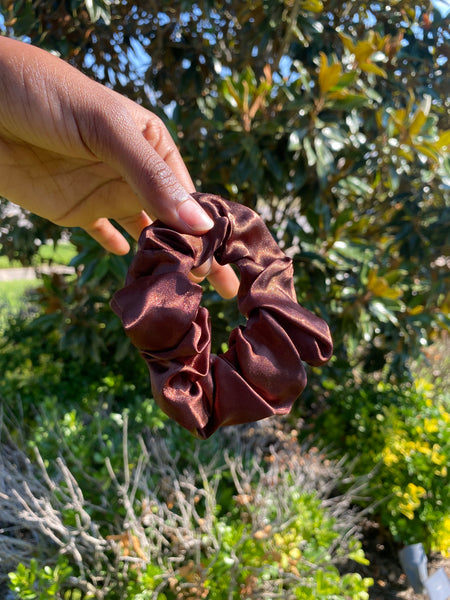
(262, 373)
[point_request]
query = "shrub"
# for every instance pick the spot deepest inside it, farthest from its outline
(224, 520)
(42, 373)
(400, 436)
(35, 583)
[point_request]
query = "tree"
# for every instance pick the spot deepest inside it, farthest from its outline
(329, 118)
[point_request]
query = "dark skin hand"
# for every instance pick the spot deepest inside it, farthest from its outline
(79, 154)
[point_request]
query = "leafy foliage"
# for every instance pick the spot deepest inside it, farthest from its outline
(331, 121)
(237, 522)
(35, 583)
(407, 458)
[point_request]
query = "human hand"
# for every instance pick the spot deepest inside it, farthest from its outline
(79, 154)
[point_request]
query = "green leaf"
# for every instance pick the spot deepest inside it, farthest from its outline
(444, 140)
(346, 80)
(274, 165)
(296, 139)
(359, 557)
(348, 102)
(417, 123)
(429, 151)
(25, 16)
(329, 75)
(315, 6)
(101, 269)
(310, 155)
(99, 9)
(357, 185)
(370, 67)
(325, 158)
(382, 313)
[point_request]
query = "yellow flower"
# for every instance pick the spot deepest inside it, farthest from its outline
(442, 537)
(444, 414)
(422, 448)
(389, 458)
(416, 491)
(403, 447)
(423, 386)
(431, 425)
(436, 457)
(410, 499)
(442, 472)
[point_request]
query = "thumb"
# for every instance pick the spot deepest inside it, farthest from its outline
(161, 194)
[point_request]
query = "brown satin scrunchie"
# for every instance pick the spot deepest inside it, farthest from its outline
(261, 374)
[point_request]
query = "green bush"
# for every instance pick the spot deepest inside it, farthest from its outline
(250, 520)
(42, 583)
(233, 522)
(51, 354)
(400, 438)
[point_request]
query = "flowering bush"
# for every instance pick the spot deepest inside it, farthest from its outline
(400, 438)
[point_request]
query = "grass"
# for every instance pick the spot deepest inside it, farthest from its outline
(13, 298)
(61, 255)
(13, 294)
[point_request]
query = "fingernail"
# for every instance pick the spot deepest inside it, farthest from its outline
(194, 216)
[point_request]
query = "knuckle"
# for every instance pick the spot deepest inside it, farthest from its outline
(158, 136)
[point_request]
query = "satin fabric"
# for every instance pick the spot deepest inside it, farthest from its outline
(262, 372)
